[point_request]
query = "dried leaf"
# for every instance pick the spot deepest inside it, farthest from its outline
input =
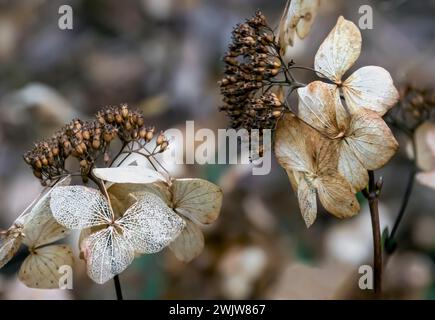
(9, 245)
(339, 50)
(370, 87)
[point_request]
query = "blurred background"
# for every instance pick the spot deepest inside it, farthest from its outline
(164, 57)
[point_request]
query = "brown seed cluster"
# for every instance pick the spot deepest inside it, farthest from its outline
(251, 64)
(416, 106)
(87, 141)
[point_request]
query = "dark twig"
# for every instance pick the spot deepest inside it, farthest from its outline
(373, 197)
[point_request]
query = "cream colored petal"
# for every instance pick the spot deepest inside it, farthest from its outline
(130, 174)
(189, 244)
(307, 15)
(9, 247)
(371, 88)
(336, 196)
(339, 50)
(197, 199)
(287, 24)
(424, 138)
(427, 179)
(41, 268)
(43, 229)
(320, 107)
(351, 168)
(371, 139)
(150, 225)
(123, 191)
(78, 207)
(107, 254)
(293, 147)
(307, 202)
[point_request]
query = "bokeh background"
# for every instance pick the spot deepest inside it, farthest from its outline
(164, 57)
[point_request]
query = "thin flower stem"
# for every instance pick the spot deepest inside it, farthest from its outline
(390, 243)
(118, 288)
(373, 198)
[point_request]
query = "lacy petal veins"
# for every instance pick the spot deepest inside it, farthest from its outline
(37, 229)
(369, 87)
(147, 226)
(311, 163)
(196, 201)
(364, 141)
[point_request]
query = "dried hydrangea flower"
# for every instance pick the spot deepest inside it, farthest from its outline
(196, 201)
(369, 87)
(311, 163)
(147, 226)
(364, 141)
(37, 229)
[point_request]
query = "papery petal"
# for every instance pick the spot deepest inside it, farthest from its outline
(371, 139)
(336, 196)
(130, 174)
(107, 253)
(308, 12)
(9, 246)
(197, 199)
(372, 88)
(320, 107)
(150, 225)
(339, 50)
(427, 179)
(189, 244)
(351, 168)
(41, 268)
(78, 207)
(424, 138)
(307, 202)
(292, 149)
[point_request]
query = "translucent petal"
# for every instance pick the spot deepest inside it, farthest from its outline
(42, 229)
(78, 207)
(427, 179)
(339, 50)
(320, 107)
(336, 195)
(371, 139)
(371, 88)
(351, 168)
(307, 202)
(130, 174)
(41, 268)
(189, 244)
(197, 199)
(293, 148)
(150, 225)
(9, 245)
(107, 254)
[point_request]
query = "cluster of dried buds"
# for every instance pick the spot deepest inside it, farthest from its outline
(87, 141)
(250, 66)
(416, 106)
